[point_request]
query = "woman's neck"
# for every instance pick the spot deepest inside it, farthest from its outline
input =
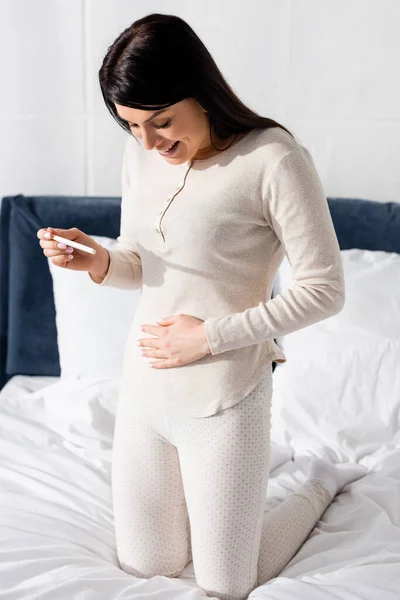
(210, 151)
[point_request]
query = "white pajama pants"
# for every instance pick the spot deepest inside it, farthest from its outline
(194, 489)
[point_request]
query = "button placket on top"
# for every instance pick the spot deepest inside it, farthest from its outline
(157, 223)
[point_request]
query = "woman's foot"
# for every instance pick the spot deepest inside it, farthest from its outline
(335, 476)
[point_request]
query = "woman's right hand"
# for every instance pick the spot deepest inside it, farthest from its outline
(82, 261)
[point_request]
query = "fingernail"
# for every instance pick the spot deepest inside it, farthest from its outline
(47, 235)
(69, 249)
(61, 245)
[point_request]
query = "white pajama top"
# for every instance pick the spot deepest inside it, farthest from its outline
(206, 238)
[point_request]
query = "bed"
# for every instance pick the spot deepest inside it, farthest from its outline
(56, 519)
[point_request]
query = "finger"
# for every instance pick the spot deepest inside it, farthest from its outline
(54, 245)
(62, 261)
(70, 234)
(154, 353)
(167, 363)
(158, 364)
(149, 342)
(47, 234)
(49, 252)
(54, 251)
(40, 233)
(153, 329)
(48, 244)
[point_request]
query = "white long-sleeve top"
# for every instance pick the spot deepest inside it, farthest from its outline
(206, 238)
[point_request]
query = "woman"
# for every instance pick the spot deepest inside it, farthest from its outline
(213, 197)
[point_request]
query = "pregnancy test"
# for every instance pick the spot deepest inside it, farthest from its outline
(76, 245)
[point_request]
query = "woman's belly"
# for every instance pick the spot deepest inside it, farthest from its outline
(197, 389)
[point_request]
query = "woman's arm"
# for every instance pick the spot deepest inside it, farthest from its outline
(124, 264)
(296, 208)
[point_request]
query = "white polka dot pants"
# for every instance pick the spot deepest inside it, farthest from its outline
(195, 489)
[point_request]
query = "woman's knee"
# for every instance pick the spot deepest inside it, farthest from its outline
(228, 588)
(149, 571)
(153, 549)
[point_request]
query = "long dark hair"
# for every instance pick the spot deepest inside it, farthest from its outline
(159, 61)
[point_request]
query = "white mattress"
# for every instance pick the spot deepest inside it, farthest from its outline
(56, 521)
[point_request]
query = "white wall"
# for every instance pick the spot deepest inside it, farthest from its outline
(326, 69)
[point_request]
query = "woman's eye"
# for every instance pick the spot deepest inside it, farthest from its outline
(167, 124)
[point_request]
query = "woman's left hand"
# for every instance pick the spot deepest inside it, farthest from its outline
(180, 340)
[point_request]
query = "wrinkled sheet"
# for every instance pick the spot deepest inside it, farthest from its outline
(56, 522)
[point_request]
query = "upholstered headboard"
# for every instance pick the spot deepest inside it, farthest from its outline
(27, 312)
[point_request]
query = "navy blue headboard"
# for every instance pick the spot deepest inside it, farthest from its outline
(27, 312)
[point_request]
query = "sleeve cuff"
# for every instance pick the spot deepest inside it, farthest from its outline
(213, 339)
(109, 273)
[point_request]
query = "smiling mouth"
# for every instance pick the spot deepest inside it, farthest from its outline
(171, 149)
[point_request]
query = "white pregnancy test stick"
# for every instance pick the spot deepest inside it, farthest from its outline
(58, 238)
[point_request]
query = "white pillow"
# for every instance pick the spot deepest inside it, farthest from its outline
(338, 394)
(92, 321)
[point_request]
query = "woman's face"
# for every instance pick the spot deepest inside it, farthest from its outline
(185, 122)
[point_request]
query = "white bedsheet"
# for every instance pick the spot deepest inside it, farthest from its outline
(56, 523)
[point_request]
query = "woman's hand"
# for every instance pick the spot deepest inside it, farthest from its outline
(59, 253)
(180, 340)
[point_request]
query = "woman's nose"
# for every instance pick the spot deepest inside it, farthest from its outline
(148, 141)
